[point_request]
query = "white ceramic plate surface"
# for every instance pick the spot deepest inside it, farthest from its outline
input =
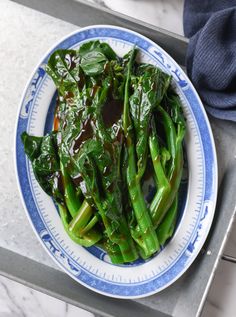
(91, 267)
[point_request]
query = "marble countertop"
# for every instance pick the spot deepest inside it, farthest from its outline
(25, 36)
(22, 49)
(161, 13)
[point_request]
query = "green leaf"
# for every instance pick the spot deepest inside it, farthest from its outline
(31, 145)
(95, 56)
(97, 46)
(93, 63)
(172, 105)
(94, 164)
(65, 70)
(149, 88)
(45, 162)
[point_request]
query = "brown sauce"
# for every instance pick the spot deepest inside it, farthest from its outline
(58, 182)
(108, 147)
(112, 111)
(69, 95)
(81, 81)
(111, 187)
(119, 135)
(94, 90)
(73, 64)
(56, 121)
(107, 171)
(86, 133)
(77, 180)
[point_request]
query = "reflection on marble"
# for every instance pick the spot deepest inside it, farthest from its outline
(230, 248)
(17, 300)
(221, 297)
(165, 14)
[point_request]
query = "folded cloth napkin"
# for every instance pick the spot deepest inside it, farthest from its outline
(211, 55)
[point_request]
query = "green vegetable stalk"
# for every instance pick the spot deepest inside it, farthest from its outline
(88, 239)
(42, 151)
(148, 241)
(113, 119)
(168, 180)
(166, 228)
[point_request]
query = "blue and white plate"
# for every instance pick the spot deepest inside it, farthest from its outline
(91, 267)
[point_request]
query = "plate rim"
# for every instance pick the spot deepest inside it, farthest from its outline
(212, 142)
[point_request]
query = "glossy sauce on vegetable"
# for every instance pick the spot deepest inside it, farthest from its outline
(86, 133)
(116, 125)
(112, 111)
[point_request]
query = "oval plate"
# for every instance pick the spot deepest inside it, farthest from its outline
(91, 267)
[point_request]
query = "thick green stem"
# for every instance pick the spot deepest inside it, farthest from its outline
(167, 185)
(90, 225)
(163, 199)
(165, 229)
(89, 239)
(119, 235)
(163, 185)
(170, 131)
(113, 251)
(73, 203)
(126, 112)
(146, 238)
(81, 219)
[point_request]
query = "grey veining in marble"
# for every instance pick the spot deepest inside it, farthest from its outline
(230, 248)
(221, 298)
(17, 300)
(161, 13)
(20, 51)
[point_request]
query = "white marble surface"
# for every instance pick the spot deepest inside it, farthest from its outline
(20, 51)
(25, 36)
(230, 248)
(17, 300)
(166, 14)
(221, 298)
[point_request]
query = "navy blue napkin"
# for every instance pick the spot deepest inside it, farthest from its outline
(210, 26)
